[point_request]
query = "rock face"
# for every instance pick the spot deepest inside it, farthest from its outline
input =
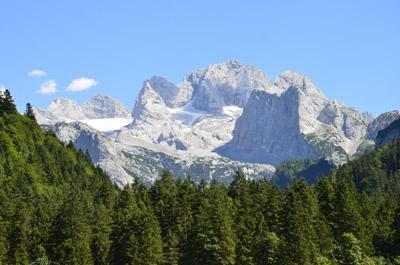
(198, 114)
(66, 108)
(123, 162)
(297, 122)
(381, 122)
(225, 84)
(102, 106)
(389, 134)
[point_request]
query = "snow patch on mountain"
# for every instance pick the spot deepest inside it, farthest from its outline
(101, 112)
(186, 115)
(107, 125)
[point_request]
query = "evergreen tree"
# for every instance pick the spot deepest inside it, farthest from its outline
(301, 213)
(347, 217)
(267, 248)
(29, 112)
(165, 205)
(245, 218)
(136, 233)
(7, 104)
(72, 233)
(349, 251)
(212, 237)
(101, 242)
(187, 200)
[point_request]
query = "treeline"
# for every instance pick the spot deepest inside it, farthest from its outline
(57, 208)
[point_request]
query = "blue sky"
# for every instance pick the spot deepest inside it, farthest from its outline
(350, 49)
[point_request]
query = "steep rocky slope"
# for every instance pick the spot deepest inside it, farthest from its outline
(299, 122)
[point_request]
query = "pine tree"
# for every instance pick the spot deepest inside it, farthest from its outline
(187, 197)
(267, 248)
(349, 251)
(212, 236)
(71, 236)
(19, 242)
(347, 216)
(165, 204)
(136, 234)
(301, 212)
(7, 104)
(101, 242)
(245, 218)
(29, 112)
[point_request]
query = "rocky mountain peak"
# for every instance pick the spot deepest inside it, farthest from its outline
(290, 79)
(173, 95)
(149, 104)
(66, 108)
(102, 106)
(381, 122)
(225, 84)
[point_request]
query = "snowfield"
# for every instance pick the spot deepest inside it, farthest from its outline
(107, 125)
(186, 115)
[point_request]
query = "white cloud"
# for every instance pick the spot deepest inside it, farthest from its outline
(2, 88)
(81, 84)
(37, 73)
(48, 87)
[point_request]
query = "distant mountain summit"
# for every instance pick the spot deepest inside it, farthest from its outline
(102, 112)
(102, 106)
(223, 116)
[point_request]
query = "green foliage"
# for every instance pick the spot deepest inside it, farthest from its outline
(349, 251)
(301, 212)
(29, 112)
(7, 105)
(310, 170)
(212, 237)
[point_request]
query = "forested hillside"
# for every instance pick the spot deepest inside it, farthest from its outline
(57, 208)
(311, 170)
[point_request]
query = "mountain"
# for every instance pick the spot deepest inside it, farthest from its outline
(101, 112)
(103, 106)
(225, 114)
(198, 114)
(167, 129)
(381, 122)
(389, 134)
(297, 123)
(125, 161)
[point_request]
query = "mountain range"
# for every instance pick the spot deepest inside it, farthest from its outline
(220, 118)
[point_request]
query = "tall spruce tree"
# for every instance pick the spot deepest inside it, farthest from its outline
(7, 104)
(29, 112)
(245, 218)
(347, 217)
(301, 212)
(71, 232)
(165, 204)
(136, 233)
(212, 237)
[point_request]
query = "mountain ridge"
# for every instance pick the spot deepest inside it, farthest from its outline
(230, 110)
